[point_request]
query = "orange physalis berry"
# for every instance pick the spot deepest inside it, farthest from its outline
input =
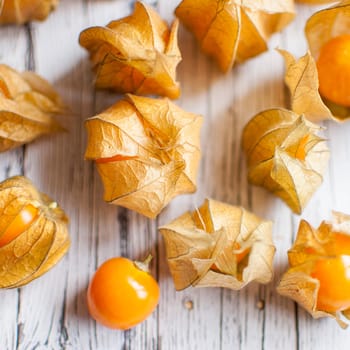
(333, 67)
(333, 274)
(19, 224)
(122, 293)
(334, 277)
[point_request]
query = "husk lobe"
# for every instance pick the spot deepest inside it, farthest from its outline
(41, 245)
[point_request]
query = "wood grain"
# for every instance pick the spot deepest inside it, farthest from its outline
(51, 312)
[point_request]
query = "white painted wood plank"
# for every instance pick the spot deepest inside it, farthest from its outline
(258, 85)
(132, 235)
(180, 327)
(13, 52)
(55, 165)
(325, 333)
(74, 180)
(277, 312)
(331, 196)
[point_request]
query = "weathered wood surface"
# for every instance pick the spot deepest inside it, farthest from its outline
(51, 313)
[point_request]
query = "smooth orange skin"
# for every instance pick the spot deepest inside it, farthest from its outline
(120, 295)
(19, 224)
(333, 67)
(116, 158)
(334, 276)
(342, 244)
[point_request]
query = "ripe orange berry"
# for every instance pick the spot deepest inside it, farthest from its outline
(121, 294)
(334, 276)
(19, 224)
(333, 67)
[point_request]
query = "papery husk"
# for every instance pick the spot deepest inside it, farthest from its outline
(301, 77)
(297, 283)
(234, 30)
(23, 11)
(41, 245)
(160, 148)
(136, 54)
(197, 241)
(285, 155)
(320, 28)
(27, 106)
(326, 24)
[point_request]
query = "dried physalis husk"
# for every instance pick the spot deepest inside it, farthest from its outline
(314, 267)
(326, 24)
(22, 11)
(302, 81)
(285, 155)
(33, 233)
(219, 245)
(136, 54)
(27, 106)
(147, 152)
(234, 30)
(320, 29)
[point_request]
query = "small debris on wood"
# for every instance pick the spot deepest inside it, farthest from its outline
(260, 304)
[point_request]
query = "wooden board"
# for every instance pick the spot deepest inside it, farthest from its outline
(51, 312)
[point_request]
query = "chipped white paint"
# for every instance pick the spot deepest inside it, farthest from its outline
(51, 313)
